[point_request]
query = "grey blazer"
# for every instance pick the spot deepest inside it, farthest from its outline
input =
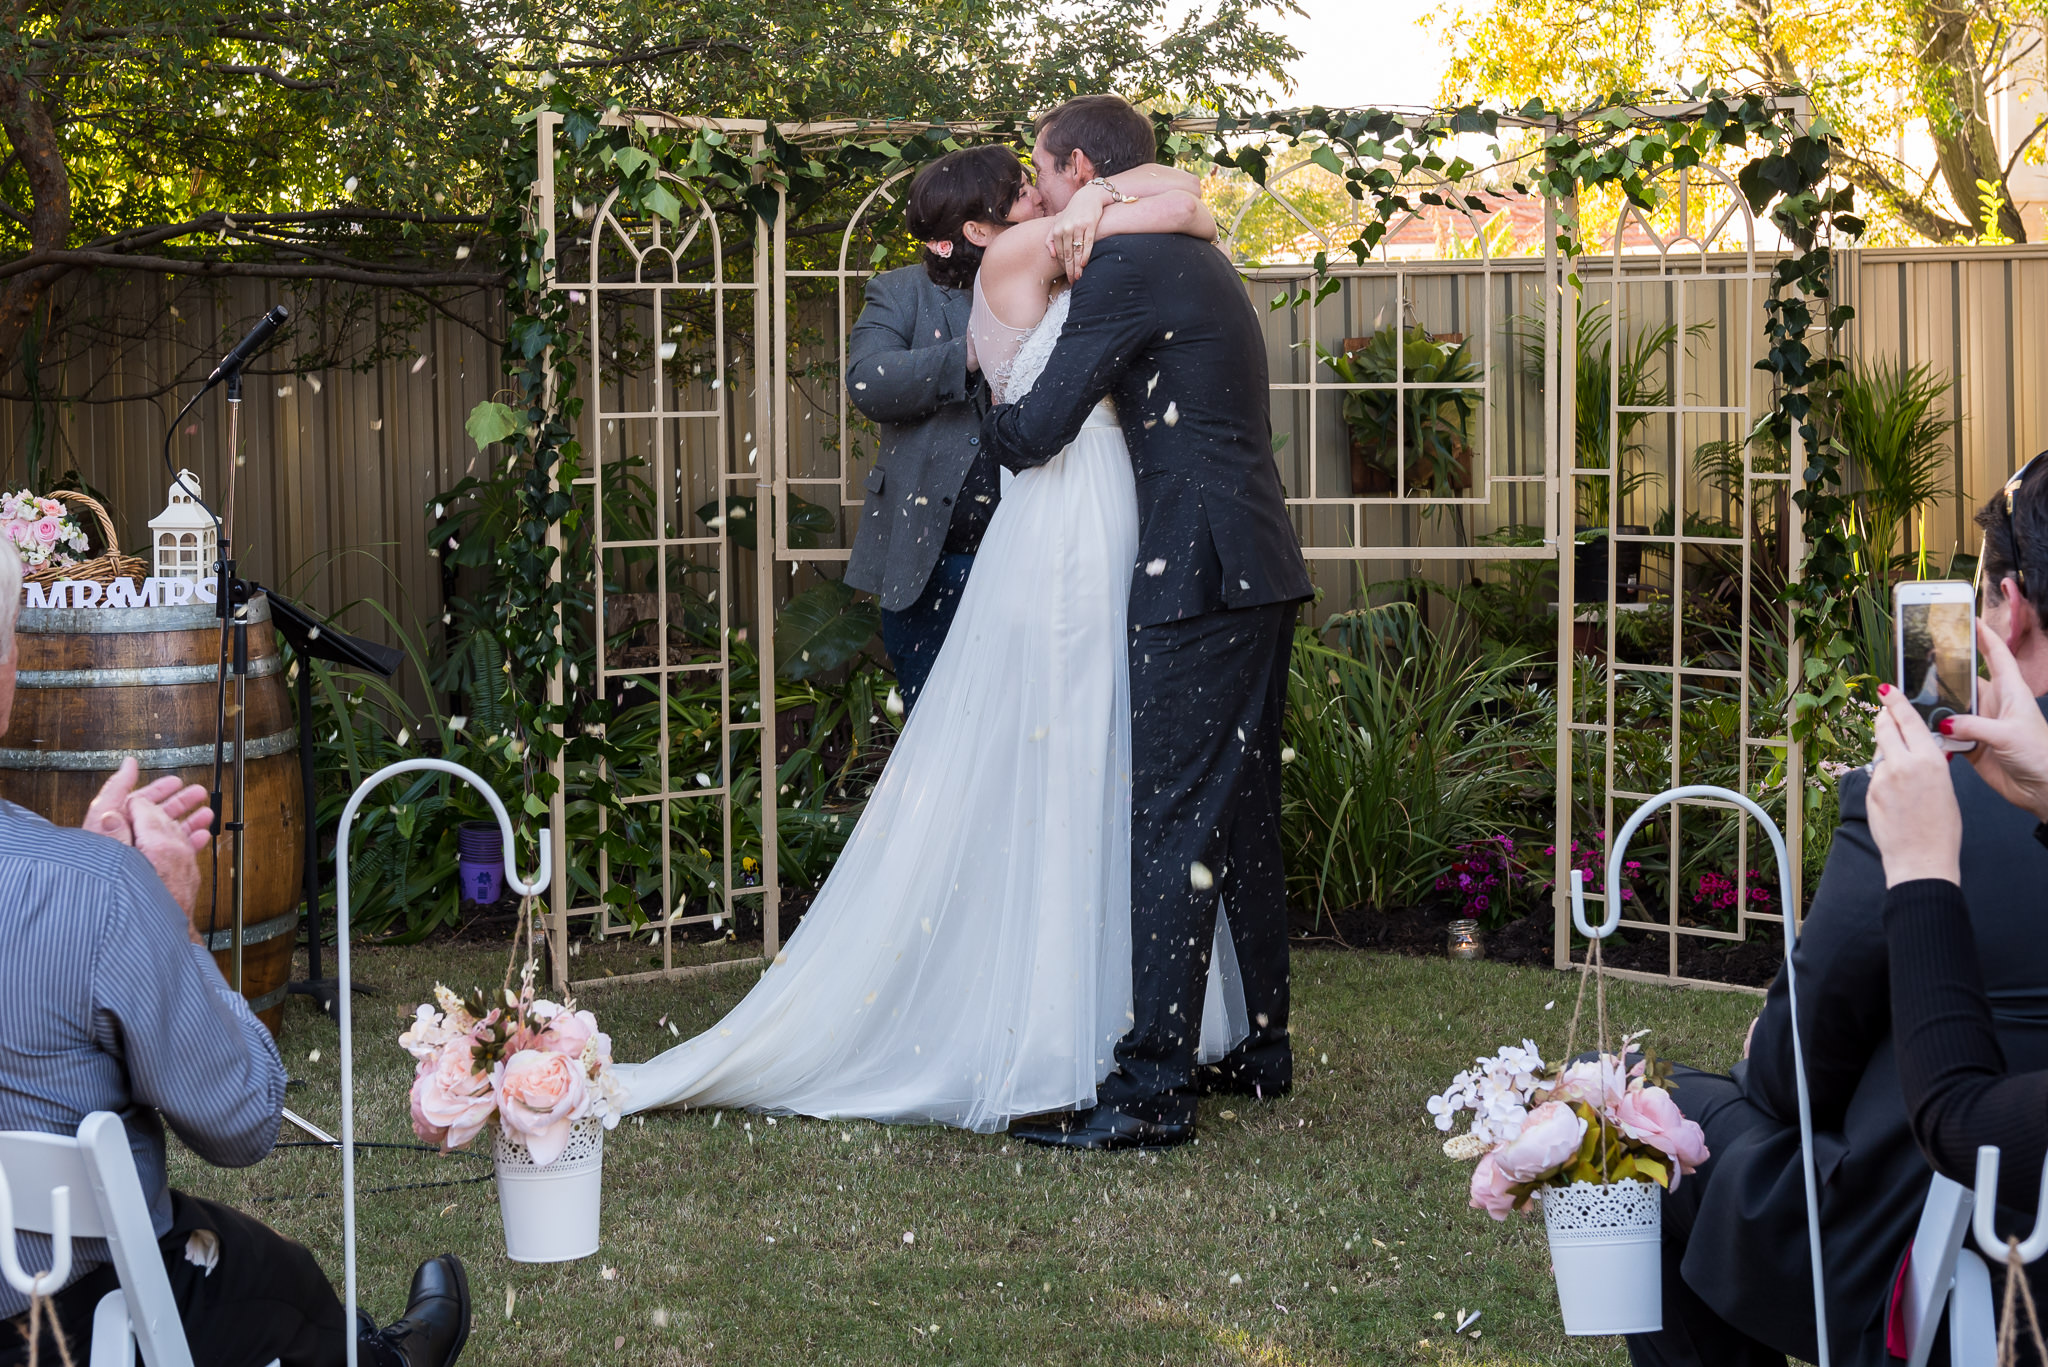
(907, 370)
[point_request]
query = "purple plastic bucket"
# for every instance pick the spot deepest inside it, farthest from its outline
(482, 846)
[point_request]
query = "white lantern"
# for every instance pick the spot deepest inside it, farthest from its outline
(183, 533)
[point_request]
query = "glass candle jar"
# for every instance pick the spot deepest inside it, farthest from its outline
(1463, 940)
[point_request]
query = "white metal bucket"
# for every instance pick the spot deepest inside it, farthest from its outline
(1607, 1254)
(551, 1213)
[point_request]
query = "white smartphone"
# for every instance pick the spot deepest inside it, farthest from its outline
(1934, 628)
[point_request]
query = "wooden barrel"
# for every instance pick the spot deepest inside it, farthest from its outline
(97, 685)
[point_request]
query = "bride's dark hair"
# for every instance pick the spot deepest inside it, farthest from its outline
(974, 184)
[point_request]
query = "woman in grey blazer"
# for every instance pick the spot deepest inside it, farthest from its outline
(910, 370)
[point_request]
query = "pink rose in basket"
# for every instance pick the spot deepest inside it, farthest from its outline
(450, 1100)
(568, 1032)
(1648, 1114)
(1490, 1189)
(46, 531)
(541, 1094)
(1598, 1084)
(1549, 1137)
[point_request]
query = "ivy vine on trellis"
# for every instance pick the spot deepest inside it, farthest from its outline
(1627, 144)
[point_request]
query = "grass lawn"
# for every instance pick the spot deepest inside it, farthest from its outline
(1325, 1227)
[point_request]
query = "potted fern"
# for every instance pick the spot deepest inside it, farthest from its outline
(1431, 426)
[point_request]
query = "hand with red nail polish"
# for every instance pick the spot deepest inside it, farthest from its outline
(2012, 736)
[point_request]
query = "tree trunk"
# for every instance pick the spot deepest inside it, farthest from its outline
(1958, 117)
(1950, 77)
(25, 118)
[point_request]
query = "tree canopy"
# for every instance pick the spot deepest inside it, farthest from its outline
(361, 142)
(1873, 68)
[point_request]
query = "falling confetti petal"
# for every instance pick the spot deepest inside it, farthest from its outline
(510, 1296)
(894, 706)
(1199, 877)
(1287, 754)
(1171, 417)
(1155, 568)
(909, 1236)
(1236, 1280)
(419, 364)
(313, 1057)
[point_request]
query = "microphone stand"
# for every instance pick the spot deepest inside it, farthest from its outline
(231, 596)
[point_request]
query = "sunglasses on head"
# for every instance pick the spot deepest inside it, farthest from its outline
(2012, 529)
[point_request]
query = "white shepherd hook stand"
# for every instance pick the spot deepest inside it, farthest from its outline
(348, 1108)
(1606, 928)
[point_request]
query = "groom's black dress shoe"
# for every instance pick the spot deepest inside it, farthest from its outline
(1105, 1127)
(436, 1322)
(1263, 1073)
(1214, 1080)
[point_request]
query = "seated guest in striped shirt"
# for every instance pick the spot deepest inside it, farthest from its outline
(109, 1001)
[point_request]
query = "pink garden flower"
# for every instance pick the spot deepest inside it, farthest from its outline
(1549, 1138)
(541, 1095)
(1649, 1115)
(450, 1101)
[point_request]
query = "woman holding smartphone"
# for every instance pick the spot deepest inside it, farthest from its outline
(1953, 1073)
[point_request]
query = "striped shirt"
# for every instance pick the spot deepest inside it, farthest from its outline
(107, 1005)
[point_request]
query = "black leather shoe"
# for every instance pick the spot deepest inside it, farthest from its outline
(1266, 1072)
(1213, 1079)
(1106, 1127)
(436, 1322)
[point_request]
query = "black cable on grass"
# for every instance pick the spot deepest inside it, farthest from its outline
(375, 1191)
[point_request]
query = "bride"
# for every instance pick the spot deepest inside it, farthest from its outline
(968, 960)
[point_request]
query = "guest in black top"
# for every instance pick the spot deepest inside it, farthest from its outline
(1960, 1088)
(1737, 1283)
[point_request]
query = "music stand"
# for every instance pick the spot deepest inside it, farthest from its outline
(312, 639)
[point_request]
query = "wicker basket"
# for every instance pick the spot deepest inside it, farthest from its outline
(100, 569)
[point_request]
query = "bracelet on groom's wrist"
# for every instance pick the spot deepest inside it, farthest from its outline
(1116, 196)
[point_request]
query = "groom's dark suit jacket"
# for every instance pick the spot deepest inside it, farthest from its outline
(1162, 325)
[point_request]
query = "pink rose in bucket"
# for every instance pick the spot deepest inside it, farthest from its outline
(1650, 1115)
(1549, 1137)
(450, 1102)
(541, 1095)
(567, 1033)
(1490, 1189)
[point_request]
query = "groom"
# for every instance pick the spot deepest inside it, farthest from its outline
(1163, 327)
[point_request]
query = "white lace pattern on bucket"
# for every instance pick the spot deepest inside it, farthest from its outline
(586, 1147)
(1586, 1212)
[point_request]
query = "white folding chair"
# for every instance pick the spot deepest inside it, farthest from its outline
(44, 1180)
(1942, 1272)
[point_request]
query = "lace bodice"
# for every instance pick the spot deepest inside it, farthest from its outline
(1012, 357)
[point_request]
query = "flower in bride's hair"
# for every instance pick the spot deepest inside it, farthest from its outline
(940, 247)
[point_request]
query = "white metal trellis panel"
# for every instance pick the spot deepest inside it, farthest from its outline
(660, 443)
(1693, 273)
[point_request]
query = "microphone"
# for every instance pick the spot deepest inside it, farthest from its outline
(233, 362)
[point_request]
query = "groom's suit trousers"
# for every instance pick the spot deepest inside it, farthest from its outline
(1207, 695)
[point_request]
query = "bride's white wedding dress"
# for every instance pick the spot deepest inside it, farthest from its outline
(968, 960)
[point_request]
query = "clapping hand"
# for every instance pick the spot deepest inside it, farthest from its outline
(170, 847)
(183, 804)
(2011, 733)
